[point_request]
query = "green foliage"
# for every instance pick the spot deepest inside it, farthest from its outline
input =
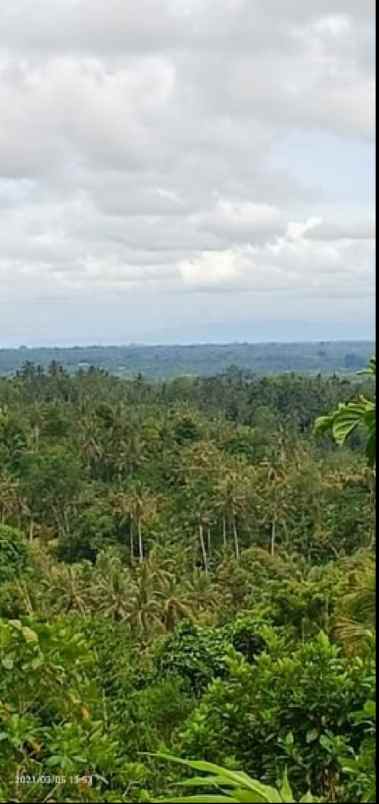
(356, 610)
(289, 711)
(14, 554)
(232, 785)
(186, 430)
(194, 653)
(199, 654)
(360, 768)
(95, 529)
(197, 579)
(245, 637)
(51, 481)
(351, 415)
(43, 730)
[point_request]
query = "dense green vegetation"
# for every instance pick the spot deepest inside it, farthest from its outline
(198, 359)
(186, 568)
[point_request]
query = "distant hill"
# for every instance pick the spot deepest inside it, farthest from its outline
(199, 360)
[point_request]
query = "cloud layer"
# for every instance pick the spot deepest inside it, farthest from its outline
(164, 158)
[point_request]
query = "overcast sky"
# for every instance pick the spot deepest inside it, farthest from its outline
(185, 170)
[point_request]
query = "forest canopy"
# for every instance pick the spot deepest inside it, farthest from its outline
(186, 569)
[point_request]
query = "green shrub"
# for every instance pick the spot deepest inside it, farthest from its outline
(14, 553)
(199, 654)
(296, 711)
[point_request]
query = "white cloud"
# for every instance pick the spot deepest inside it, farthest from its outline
(138, 142)
(292, 262)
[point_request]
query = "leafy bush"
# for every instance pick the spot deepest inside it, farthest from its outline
(294, 711)
(360, 768)
(51, 710)
(195, 653)
(244, 634)
(199, 654)
(14, 553)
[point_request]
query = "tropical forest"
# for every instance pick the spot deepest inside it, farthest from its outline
(187, 586)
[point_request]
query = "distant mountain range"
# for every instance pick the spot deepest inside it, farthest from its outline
(205, 359)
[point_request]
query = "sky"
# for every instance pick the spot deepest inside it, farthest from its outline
(186, 171)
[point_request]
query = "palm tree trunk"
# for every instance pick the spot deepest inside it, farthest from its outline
(66, 521)
(203, 548)
(209, 541)
(131, 539)
(140, 542)
(235, 537)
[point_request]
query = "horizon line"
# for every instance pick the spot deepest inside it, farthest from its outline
(144, 345)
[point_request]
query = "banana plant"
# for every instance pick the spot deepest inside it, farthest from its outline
(350, 415)
(231, 786)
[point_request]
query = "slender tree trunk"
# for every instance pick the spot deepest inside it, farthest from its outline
(209, 541)
(31, 530)
(66, 521)
(236, 540)
(203, 548)
(131, 539)
(140, 541)
(284, 529)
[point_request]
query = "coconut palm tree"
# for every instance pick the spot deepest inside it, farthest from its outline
(137, 506)
(198, 472)
(143, 605)
(143, 508)
(274, 501)
(161, 570)
(120, 502)
(176, 604)
(200, 589)
(130, 453)
(356, 615)
(69, 586)
(111, 586)
(232, 494)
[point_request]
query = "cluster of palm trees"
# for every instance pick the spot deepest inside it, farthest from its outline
(136, 507)
(154, 595)
(218, 504)
(149, 596)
